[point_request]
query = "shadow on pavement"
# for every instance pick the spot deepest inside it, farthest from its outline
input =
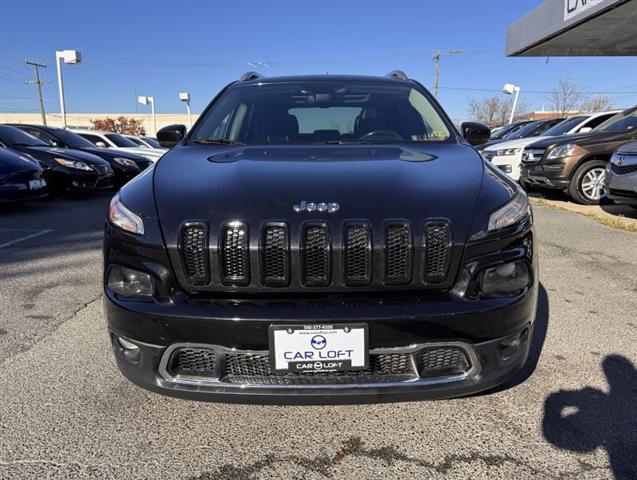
(586, 419)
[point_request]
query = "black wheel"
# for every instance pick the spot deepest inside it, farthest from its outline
(588, 185)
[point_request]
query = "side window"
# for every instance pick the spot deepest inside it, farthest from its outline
(597, 121)
(44, 136)
(94, 139)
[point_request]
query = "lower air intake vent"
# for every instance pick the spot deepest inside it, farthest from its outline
(437, 251)
(358, 254)
(442, 361)
(276, 255)
(194, 250)
(398, 253)
(317, 256)
(193, 362)
(235, 254)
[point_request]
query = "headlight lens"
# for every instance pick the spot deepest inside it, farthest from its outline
(513, 212)
(562, 151)
(506, 279)
(73, 164)
(505, 152)
(122, 217)
(126, 162)
(129, 283)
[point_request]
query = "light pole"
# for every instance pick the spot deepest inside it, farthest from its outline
(146, 101)
(509, 89)
(185, 97)
(71, 57)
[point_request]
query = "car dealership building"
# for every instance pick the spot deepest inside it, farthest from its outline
(576, 28)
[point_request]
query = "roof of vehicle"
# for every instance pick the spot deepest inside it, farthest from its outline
(88, 130)
(327, 78)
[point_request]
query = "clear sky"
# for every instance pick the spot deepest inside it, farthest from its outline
(160, 47)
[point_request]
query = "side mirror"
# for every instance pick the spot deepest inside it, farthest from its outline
(475, 133)
(171, 135)
(100, 144)
(585, 130)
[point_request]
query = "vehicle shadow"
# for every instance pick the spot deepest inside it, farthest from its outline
(586, 419)
(618, 209)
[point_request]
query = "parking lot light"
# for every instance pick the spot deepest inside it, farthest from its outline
(71, 57)
(509, 89)
(150, 100)
(185, 97)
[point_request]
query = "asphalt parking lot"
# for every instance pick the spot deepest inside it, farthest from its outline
(66, 412)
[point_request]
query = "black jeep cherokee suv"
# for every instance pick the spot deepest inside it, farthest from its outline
(320, 239)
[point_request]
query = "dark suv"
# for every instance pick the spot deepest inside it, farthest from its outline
(577, 163)
(320, 239)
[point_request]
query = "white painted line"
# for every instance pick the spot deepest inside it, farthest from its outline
(26, 237)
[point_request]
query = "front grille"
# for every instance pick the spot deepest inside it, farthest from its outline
(358, 254)
(235, 254)
(623, 169)
(276, 255)
(437, 251)
(191, 362)
(194, 251)
(317, 256)
(532, 155)
(254, 368)
(398, 253)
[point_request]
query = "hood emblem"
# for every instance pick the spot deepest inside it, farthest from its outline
(620, 161)
(305, 206)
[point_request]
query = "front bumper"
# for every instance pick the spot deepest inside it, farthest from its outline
(621, 188)
(539, 175)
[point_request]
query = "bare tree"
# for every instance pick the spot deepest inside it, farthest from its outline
(598, 103)
(566, 96)
(494, 111)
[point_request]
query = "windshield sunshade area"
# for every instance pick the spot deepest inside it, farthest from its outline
(322, 112)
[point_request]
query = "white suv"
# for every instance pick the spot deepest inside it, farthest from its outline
(120, 142)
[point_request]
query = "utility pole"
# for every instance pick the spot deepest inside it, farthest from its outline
(38, 84)
(436, 59)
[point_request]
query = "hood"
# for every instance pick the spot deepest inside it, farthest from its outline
(67, 153)
(628, 149)
(519, 143)
(150, 153)
(14, 162)
(375, 183)
(585, 139)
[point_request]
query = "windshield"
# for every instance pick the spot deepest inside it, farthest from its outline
(322, 112)
(152, 142)
(72, 140)
(504, 131)
(120, 140)
(564, 126)
(14, 136)
(621, 121)
(525, 131)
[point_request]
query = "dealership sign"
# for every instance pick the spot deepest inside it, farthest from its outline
(572, 8)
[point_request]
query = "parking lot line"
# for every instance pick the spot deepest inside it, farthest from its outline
(26, 237)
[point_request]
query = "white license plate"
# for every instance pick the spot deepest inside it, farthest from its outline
(36, 184)
(319, 348)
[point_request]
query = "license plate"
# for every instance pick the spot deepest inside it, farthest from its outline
(36, 184)
(319, 348)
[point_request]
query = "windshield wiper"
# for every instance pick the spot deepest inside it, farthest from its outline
(216, 141)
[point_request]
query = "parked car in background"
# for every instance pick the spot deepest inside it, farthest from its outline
(21, 177)
(507, 156)
(531, 129)
(64, 169)
(621, 175)
(577, 164)
(119, 142)
(125, 165)
(145, 142)
(502, 132)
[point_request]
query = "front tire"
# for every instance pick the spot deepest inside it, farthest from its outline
(588, 183)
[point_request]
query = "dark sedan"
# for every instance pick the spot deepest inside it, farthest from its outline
(125, 165)
(21, 177)
(64, 169)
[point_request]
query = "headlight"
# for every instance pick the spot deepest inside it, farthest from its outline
(73, 164)
(511, 213)
(129, 283)
(126, 162)
(505, 152)
(122, 217)
(562, 151)
(506, 279)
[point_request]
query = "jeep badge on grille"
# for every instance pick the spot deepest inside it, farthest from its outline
(305, 206)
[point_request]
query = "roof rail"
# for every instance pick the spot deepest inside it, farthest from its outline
(397, 75)
(246, 77)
